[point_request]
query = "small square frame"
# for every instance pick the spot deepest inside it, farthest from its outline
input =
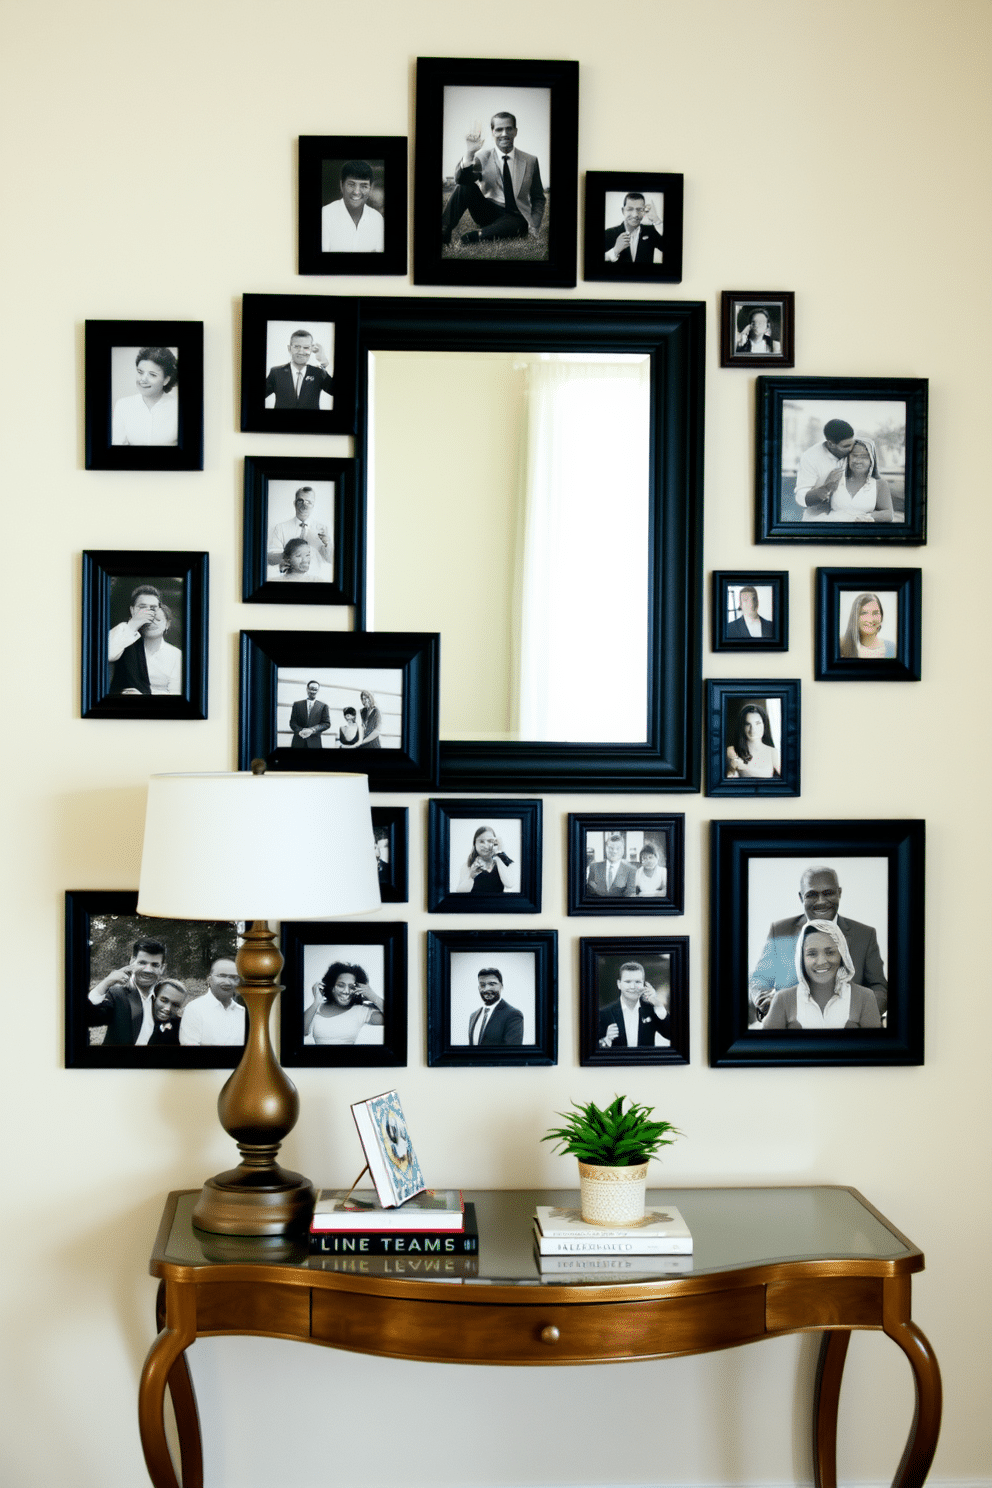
(595, 265)
(85, 911)
(667, 827)
(722, 635)
(349, 533)
(830, 665)
(728, 698)
(840, 395)
(488, 946)
(394, 821)
(737, 305)
(441, 898)
(413, 766)
(99, 568)
(733, 845)
(392, 938)
(560, 170)
(593, 951)
(302, 311)
(101, 337)
(319, 151)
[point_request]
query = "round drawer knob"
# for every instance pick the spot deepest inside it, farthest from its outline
(550, 1334)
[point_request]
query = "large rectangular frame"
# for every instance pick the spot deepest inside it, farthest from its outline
(732, 845)
(772, 393)
(391, 936)
(99, 567)
(488, 944)
(672, 334)
(101, 337)
(633, 948)
(411, 767)
(349, 537)
(562, 79)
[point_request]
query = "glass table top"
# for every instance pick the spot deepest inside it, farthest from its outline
(732, 1228)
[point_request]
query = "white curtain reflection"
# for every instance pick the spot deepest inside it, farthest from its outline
(581, 651)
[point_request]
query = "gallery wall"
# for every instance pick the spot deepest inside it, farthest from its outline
(148, 169)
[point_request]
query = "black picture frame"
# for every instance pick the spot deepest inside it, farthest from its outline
(298, 937)
(738, 306)
(286, 313)
(832, 584)
(856, 401)
(881, 860)
(441, 819)
(772, 589)
(410, 764)
(497, 84)
(319, 161)
(727, 700)
(449, 994)
(672, 334)
(391, 827)
(107, 381)
(666, 831)
(268, 478)
(100, 928)
(600, 960)
(181, 578)
(602, 188)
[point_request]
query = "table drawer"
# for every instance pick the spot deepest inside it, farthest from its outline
(477, 1333)
(824, 1302)
(253, 1307)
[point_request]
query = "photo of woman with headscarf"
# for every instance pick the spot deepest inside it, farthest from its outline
(826, 995)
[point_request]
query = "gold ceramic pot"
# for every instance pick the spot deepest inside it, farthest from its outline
(612, 1196)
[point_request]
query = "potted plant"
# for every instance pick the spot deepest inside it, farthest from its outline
(613, 1148)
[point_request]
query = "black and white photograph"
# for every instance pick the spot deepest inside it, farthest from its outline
(750, 611)
(496, 161)
(492, 997)
(340, 700)
(633, 227)
(868, 624)
(144, 395)
(754, 737)
(297, 364)
(352, 204)
(144, 635)
(391, 838)
(634, 1000)
(841, 459)
(345, 996)
(484, 856)
(626, 863)
(817, 950)
(302, 543)
(149, 993)
(757, 324)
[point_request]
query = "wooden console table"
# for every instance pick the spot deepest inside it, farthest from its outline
(768, 1261)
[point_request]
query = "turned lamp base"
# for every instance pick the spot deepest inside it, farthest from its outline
(258, 1107)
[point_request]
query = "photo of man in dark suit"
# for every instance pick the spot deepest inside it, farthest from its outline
(639, 235)
(613, 877)
(295, 383)
(122, 1001)
(168, 999)
(309, 720)
(749, 625)
(499, 186)
(638, 1017)
(819, 894)
(495, 1022)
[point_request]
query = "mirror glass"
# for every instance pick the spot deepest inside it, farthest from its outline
(508, 509)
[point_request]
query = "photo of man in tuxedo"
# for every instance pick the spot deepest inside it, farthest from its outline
(639, 235)
(638, 1018)
(309, 720)
(296, 384)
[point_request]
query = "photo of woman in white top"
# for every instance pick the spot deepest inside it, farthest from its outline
(343, 1008)
(151, 415)
(651, 877)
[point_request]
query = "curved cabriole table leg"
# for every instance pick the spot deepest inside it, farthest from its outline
(922, 1443)
(166, 1365)
(826, 1395)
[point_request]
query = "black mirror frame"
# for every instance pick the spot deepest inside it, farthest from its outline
(673, 335)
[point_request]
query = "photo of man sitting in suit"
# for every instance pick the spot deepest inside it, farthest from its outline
(639, 235)
(309, 720)
(499, 187)
(495, 1022)
(295, 384)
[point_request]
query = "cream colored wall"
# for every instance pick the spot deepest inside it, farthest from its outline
(148, 171)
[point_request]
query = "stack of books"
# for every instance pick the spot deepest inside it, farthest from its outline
(565, 1245)
(433, 1223)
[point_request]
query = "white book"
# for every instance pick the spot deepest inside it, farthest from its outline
(562, 1231)
(609, 1268)
(359, 1210)
(388, 1149)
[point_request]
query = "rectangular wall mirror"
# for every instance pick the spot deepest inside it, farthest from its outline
(531, 474)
